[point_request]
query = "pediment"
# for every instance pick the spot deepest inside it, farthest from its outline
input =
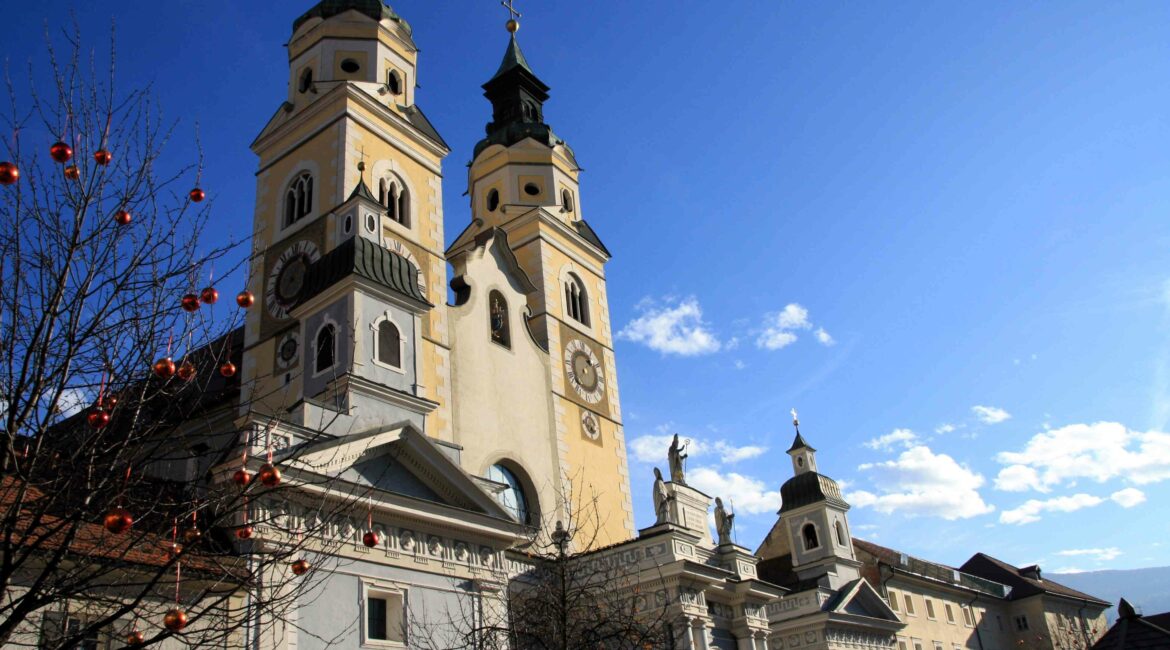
(858, 598)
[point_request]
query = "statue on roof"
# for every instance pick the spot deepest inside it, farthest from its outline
(661, 500)
(676, 457)
(724, 522)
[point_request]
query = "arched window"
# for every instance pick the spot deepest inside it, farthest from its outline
(498, 319)
(493, 200)
(298, 200)
(809, 533)
(326, 349)
(306, 81)
(576, 299)
(567, 200)
(512, 498)
(388, 344)
(840, 534)
(394, 82)
(396, 199)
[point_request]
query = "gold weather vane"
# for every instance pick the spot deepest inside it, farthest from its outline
(512, 25)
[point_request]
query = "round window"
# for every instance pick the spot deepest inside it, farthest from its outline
(512, 498)
(531, 189)
(350, 66)
(493, 200)
(347, 226)
(371, 223)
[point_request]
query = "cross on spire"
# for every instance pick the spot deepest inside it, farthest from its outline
(512, 25)
(795, 421)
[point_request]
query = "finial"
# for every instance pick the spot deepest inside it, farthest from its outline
(512, 25)
(795, 421)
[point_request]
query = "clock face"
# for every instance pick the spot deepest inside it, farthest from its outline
(590, 426)
(287, 277)
(584, 371)
(286, 350)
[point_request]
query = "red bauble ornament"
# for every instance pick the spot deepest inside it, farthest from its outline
(209, 295)
(242, 478)
(164, 368)
(61, 152)
(118, 520)
(245, 299)
(227, 369)
(175, 620)
(269, 475)
(97, 418)
(174, 549)
(135, 637)
(72, 172)
(370, 539)
(300, 567)
(102, 157)
(190, 302)
(198, 195)
(9, 173)
(186, 371)
(122, 218)
(244, 532)
(192, 535)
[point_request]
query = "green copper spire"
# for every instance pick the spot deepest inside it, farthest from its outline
(375, 9)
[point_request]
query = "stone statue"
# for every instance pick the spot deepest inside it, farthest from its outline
(661, 499)
(723, 522)
(676, 457)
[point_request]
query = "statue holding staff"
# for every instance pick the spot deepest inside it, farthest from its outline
(724, 522)
(676, 457)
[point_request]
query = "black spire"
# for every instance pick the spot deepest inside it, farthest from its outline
(375, 9)
(517, 96)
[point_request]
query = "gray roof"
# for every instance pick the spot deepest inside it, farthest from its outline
(799, 443)
(375, 9)
(364, 258)
(809, 487)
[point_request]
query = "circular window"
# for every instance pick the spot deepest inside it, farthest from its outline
(348, 225)
(350, 66)
(531, 189)
(512, 498)
(371, 223)
(493, 200)
(394, 82)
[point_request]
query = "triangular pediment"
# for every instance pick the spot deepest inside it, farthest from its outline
(858, 598)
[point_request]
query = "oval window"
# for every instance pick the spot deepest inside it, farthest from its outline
(493, 200)
(567, 200)
(531, 189)
(393, 82)
(350, 66)
(371, 223)
(348, 225)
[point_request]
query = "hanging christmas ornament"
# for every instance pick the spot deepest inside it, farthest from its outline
(72, 172)
(164, 368)
(186, 371)
(175, 620)
(122, 218)
(103, 157)
(174, 549)
(61, 152)
(192, 536)
(244, 532)
(209, 295)
(370, 539)
(301, 567)
(227, 369)
(242, 478)
(98, 418)
(118, 520)
(269, 475)
(109, 402)
(245, 299)
(135, 637)
(9, 173)
(190, 303)
(198, 195)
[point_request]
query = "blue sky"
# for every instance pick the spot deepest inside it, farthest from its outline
(938, 230)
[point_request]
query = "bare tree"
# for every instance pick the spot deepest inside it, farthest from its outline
(119, 390)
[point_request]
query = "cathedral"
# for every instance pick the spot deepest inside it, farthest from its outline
(469, 410)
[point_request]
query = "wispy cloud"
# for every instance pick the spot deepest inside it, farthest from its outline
(652, 449)
(1099, 554)
(1101, 451)
(780, 329)
(897, 437)
(672, 326)
(750, 495)
(990, 414)
(1031, 510)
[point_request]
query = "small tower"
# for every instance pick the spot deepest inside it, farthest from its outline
(804, 457)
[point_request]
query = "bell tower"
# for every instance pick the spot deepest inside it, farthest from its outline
(349, 325)
(524, 182)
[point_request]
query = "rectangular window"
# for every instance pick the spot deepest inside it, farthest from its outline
(929, 609)
(909, 604)
(1021, 623)
(902, 645)
(950, 613)
(56, 627)
(968, 617)
(938, 645)
(999, 622)
(385, 624)
(917, 644)
(893, 599)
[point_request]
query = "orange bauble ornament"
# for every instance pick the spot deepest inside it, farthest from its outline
(102, 157)
(135, 637)
(122, 218)
(300, 567)
(186, 371)
(97, 418)
(61, 152)
(370, 539)
(9, 173)
(227, 369)
(269, 475)
(209, 295)
(72, 172)
(198, 195)
(174, 549)
(164, 368)
(242, 478)
(118, 520)
(192, 535)
(190, 302)
(244, 533)
(175, 620)
(245, 299)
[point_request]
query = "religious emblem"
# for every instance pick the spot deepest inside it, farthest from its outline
(499, 320)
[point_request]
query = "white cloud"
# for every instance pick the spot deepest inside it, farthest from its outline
(750, 495)
(990, 414)
(1101, 451)
(944, 428)
(1099, 554)
(793, 317)
(1031, 509)
(922, 483)
(652, 449)
(740, 365)
(823, 337)
(779, 329)
(901, 437)
(773, 339)
(1128, 498)
(672, 327)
